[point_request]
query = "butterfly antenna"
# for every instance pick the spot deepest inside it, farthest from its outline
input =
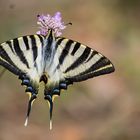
(32, 98)
(69, 23)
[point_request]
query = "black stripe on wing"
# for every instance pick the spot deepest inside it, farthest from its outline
(92, 55)
(41, 38)
(102, 66)
(5, 56)
(19, 52)
(79, 60)
(10, 67)
(6, 61)
(34, 46)
(65, 51)
(26, 42)
(79, 77)
(9, 43)
(76, 47)
(102, 62)
(58, 42)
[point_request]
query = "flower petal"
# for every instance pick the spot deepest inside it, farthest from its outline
(47, 22)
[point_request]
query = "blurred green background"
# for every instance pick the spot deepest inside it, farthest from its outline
(102, 108)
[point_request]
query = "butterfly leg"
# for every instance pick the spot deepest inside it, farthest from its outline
(32, 94)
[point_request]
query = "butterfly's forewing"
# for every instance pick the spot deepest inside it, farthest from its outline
(79, 62)
(19, 55)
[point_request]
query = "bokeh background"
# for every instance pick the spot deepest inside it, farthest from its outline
(102, 108)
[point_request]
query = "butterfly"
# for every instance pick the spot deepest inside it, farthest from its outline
(56, 61)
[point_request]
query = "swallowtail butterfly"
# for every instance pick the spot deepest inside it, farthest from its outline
(56, 61)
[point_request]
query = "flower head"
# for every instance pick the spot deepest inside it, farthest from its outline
(47, 22)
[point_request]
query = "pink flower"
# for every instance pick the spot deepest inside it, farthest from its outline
(47, 22)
